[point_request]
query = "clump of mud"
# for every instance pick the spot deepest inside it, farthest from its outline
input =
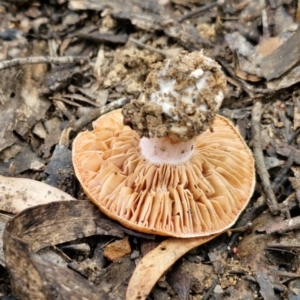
(181, 98)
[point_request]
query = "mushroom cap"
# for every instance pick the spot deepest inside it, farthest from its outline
(202, 196)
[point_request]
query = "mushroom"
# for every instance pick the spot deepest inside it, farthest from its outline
(168, 164)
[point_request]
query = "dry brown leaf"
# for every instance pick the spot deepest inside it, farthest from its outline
(45, 225)
(17, 194)
(156, 262)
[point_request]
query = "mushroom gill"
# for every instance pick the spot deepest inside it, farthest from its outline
(199, 196)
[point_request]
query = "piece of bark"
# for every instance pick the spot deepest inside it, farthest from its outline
(116, 274)
(282, 59)
(60, 171)
(180, 281)
(284, 149)
(266, 288)
(117, 249)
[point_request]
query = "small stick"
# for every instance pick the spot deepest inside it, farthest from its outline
(96, 113)
(278, 181)
(200, 10)
(17, 62)
(153, 49)
(282, 226)
(88, 118)
(240, 229)
(295, 134)
(284, 274)
(259, 159)
(211, 289)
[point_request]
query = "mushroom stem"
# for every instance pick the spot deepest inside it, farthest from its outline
(165, 151)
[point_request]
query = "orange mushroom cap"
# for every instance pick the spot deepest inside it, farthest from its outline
(202, 196)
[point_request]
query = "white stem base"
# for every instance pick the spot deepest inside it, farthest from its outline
(164, 151)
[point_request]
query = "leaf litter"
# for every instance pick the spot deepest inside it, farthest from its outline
(43, 106)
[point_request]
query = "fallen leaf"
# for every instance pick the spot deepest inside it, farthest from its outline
(61, 222)
(156, 262)
(44, 225)
(282, 59)
(16, 194)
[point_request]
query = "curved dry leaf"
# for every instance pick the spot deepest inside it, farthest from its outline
(16, 194)
(42, 226)
(60, 222)
(156, 262)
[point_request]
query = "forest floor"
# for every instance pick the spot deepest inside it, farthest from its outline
(65, 63)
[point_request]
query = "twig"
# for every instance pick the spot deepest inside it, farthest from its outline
(246, 218)
(259, 158)
(17, 62)
(104, 38)
(241, 229)
(296, 133)
(65, 100)
(137, 42)
(284, 274)
(282, 226)
(209, 292)
(278, 181)
(137, 234)
(200, 10)
(88, 118)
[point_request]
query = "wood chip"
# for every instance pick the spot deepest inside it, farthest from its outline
(266, 289)
(282, 59)
(117, 249)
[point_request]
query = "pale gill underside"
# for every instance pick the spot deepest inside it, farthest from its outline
(200, 197)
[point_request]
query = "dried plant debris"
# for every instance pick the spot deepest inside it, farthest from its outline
(180, 281)
(148, 15)
(3, 220)
(47, 225)
(117, 249)
(281, 60)
(59, 172)
(17, 194)
(115, 277)
(18, 159)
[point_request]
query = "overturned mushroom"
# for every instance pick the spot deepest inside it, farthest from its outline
(178, 169)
